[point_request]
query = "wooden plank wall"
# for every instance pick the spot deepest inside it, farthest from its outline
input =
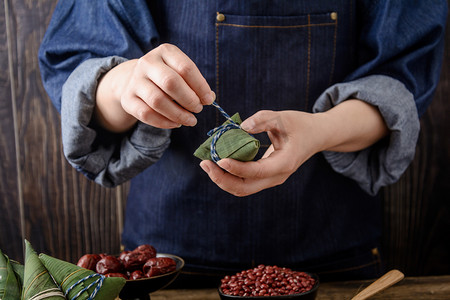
(44, 200)
(417, 208)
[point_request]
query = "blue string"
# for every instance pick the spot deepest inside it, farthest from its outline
(218, 131)
(223, 112)
(99, 283)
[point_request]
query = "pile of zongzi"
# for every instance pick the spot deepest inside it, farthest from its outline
(45, 277)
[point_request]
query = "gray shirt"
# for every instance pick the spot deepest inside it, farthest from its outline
(111, 159)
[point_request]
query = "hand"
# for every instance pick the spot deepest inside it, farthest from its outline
(296, 136)
(294, 140)
(163, 89)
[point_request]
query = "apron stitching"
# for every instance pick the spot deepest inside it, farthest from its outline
(309, 64)
(334, 52)
(276, 26)
(217, 72)
(309, 25)
(351, 27)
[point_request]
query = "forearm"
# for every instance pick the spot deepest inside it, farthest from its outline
(351, 126)
(109, 112)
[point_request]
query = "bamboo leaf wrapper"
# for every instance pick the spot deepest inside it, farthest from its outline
(38, 284)
(234, 143)
(67, 274)
(10, 288)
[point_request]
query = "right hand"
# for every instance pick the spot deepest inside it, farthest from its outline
(163, 88)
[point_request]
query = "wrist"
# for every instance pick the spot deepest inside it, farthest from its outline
(119, 77)
(109, 112)
(352, 126)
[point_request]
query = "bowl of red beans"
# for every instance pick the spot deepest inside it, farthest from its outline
(145, 270)
(270, 282)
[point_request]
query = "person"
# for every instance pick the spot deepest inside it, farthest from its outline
(332, 89)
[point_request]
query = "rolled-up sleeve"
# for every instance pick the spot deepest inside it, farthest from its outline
(383, 163)
(107, 158)
(84, 40)
(400, 53)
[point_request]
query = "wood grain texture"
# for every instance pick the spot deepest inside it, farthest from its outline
(65, 215)
(409, 288)
(437, 288)
(9, 196)
(417, 208)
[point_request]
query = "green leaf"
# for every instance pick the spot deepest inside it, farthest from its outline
(234, 143)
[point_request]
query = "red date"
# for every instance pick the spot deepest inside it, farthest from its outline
(109, 264)
(116, 275)
(131, 265)
(89, 261)
(123, 254)
(159, 265)
(136, 259)
(138, 274)
(149, 249)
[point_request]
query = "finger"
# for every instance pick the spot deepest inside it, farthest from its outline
(262, 121)
(267, 121)
(169, 81)
(141, 111)
(163, 104)
(232, 184)
(186, 68)
(271, 166)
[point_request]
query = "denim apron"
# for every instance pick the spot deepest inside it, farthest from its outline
(271, 55)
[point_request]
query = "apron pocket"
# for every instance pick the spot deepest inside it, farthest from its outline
(273, 62)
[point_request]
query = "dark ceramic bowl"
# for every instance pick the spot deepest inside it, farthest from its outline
(309, 295)
(141, 288)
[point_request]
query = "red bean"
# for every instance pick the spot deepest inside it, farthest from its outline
(267, 281)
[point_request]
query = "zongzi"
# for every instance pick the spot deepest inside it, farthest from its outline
(234, 143)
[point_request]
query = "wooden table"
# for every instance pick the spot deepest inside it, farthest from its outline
(432, 287)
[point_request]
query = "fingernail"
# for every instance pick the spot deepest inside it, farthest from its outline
(204, 167)
(248, 125)
(209, 98)
(223, 164)
(199, 108)
(191, 121)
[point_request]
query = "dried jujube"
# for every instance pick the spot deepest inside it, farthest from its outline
(136, 259)
(89, 261)
(109, 264)
(159, 265)
(116, 275)
(139, 263)
(138, 274)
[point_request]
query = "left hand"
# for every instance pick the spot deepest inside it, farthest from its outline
(296, 136)
(294, 140)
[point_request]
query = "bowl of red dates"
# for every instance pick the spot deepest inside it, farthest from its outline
(144, 269)
(269, 282)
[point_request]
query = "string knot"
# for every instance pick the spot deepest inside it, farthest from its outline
(218, 131)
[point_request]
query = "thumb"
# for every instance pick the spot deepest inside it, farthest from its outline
(262, 121)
